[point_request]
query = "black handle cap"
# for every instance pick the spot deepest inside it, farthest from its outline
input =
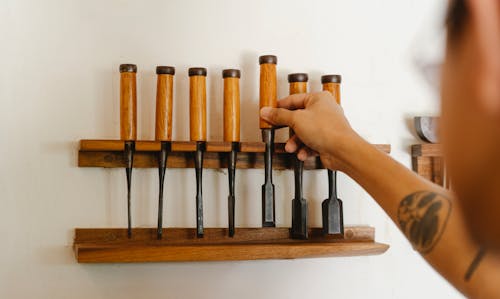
(165, 70)
(231, 73)
(331, 79)
(128, 68)
(297, 77)
(197, 71)
(268, 59)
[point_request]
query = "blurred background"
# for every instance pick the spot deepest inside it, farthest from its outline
(59, 83)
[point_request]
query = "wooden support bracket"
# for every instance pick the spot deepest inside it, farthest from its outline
(427, 161)
(180, 244)
(111, 245)
(109, 153)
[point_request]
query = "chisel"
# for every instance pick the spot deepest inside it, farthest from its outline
(298, 84)
(198, 133)
(231, 133)
(128, 126)
(268, 98)
(163, 128)
(333, 219)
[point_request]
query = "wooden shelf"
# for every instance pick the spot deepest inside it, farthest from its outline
(427, 161)
(426, 150)
(181, 245)
(109, 153)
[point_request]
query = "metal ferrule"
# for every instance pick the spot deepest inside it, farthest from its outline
(268, 139)
(198, 164)
(268, 205)
(232, 166)
(162, 166)
(231, 175)
(332, 184)
(298, 173)
(129, 161)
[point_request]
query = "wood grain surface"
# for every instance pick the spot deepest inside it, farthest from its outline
(128, 106)
(294, 88)
(197, 108)
(268, 95)
(297, 87)
(231, 109)
(181, 244)
(164, 107)
(109, 154)
(334, 89)
(428, 162)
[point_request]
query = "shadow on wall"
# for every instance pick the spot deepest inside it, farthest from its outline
(249, 105)
(215, 103)
(107, 115)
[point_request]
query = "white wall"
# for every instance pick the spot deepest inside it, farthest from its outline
(59, 83)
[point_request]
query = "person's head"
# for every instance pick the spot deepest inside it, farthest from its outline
(470, 122)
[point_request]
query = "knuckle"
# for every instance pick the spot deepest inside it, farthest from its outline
(324, 95)
(308, 100)
(315, 97)
(282, 103)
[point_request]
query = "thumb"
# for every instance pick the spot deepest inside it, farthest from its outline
(277, 116)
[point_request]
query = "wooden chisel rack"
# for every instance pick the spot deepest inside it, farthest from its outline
(111, 245)
(161, 244)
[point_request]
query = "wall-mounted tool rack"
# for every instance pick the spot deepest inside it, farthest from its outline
(112, 245)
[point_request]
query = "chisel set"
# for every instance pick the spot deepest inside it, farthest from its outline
(199, 243)
(331, 207)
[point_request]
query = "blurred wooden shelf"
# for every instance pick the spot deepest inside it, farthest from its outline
(111, 245)
(426, 150)
(109, 154)
(427, 161)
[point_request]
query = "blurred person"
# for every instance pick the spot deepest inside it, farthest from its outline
(459, 233)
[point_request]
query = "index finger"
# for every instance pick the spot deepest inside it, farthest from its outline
(294, 101)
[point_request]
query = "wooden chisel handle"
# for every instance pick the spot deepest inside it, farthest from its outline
(231, 105)
(197, 104)
(164, 102)
(128, 102)
(298, 84)
(331, 83)
(268, 96)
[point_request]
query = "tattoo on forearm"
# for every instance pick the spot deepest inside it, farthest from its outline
(475, 263)
(422, 217)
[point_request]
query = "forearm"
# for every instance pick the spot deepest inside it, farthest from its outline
(425, 212)
(386, 180)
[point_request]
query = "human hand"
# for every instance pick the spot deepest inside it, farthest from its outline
(319, 124)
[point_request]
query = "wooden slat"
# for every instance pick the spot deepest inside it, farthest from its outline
(427, 161)
(187, 253)
(255, 147)
(184, 146)
(438, 170)
(426, 150)
(185, 160)
(101, 145)
(217, 146)
(177, 236)
(423, 166)
(109, 154)
(181, 244)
